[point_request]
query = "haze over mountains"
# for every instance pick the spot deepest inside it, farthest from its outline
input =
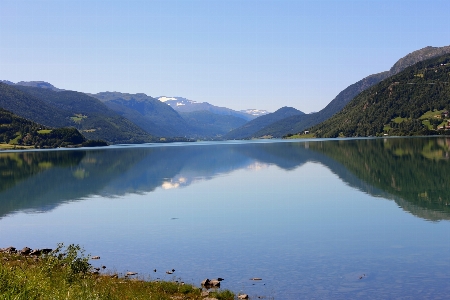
(138, 118)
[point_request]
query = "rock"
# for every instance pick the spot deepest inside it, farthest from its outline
(25, 251)
(214, 283)
(205, 282)
(205, 294)
(243, 296)
(95, 257)
(46, 250)
(36, 252)
(9, 250)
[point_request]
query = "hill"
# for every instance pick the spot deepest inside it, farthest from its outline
(39, 84)
(299, 123)
(249, 129)
(17, 132)
(68, 108)
(413, 102)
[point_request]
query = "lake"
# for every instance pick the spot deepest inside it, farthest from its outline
(314, 219)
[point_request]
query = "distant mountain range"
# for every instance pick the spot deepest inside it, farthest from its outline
(261, 122)
(138, 118)
(298, 123)
(184, 105)
(119, 117)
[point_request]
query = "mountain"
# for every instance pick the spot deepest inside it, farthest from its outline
(211, 125)
(184, 105)
(249, 129)
(160, 119)
(68, 108)
(416, 101)
(255, 112)
(19, 132)
(39, 84)
(148, 113)
(299, 123)
(32, 108)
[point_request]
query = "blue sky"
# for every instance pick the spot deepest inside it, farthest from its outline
(238, 54)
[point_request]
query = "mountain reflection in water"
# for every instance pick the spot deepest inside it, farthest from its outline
(414, 172)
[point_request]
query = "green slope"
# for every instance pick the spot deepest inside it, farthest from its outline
(299, 123)
(18, 131)
(89, 115)
(32, 108)
(408, 103)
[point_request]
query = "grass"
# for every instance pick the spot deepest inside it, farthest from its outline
(399, 120)
(431, 114)
(15, 141)
(44, 131)
(4, 146)
(427, 124)
(78, 118)
(301, 136)
(65, 273)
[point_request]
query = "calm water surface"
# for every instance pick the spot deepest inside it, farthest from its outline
(322, 219)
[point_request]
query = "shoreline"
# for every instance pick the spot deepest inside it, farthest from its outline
(67, 271)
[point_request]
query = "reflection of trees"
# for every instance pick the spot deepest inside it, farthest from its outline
(415, 169)
(414, 172)
(15, 167)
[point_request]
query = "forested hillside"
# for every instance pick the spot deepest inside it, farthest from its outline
(67, 108)
(299, 123)
(414, 102)
(17, 131)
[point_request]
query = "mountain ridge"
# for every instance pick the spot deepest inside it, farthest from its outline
(299, 123)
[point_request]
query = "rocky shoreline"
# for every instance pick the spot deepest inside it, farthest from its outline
(208, 286)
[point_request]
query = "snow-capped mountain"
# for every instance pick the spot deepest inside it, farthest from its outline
(255, 112)
(185, 105)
